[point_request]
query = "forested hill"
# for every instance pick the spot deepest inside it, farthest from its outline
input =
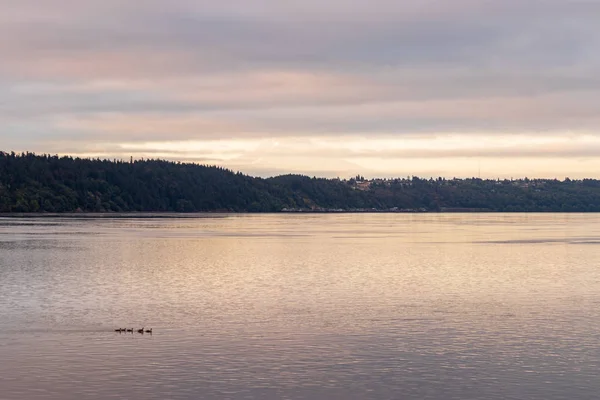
(42, 183)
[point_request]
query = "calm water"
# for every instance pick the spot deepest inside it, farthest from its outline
(360, 306)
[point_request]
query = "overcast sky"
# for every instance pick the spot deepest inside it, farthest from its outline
(328, 88)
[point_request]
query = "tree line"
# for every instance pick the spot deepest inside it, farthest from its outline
(49, 183)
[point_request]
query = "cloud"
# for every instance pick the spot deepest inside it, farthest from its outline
(441, 155)
(108, 73)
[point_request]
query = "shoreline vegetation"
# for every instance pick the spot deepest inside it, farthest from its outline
(49, 185)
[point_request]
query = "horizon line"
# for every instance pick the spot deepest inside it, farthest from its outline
(188, 162)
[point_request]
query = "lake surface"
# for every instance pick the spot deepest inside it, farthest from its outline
(352, 306)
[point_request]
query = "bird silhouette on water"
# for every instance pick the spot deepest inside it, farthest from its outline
(128, 330)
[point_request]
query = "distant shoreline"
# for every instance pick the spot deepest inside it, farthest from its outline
(45, 186)
(217, 214)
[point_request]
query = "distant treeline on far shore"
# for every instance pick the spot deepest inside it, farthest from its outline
(52, 184)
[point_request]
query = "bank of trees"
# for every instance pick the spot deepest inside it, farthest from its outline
(44, 183)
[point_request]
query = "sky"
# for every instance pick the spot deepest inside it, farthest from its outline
(384, 88)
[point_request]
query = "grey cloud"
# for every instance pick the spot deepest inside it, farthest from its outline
(331, 35)
(337, 36)
(379, 67)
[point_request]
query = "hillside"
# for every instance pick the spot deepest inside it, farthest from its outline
(43, 183)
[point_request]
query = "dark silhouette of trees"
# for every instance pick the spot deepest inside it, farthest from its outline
(45, 183)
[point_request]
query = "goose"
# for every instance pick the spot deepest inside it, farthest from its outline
(141, 330)
(149, 330)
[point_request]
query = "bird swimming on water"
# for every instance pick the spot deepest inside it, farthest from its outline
(149, 330)
(141, 330)
(130, 330)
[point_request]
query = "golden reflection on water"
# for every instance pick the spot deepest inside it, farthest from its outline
(423, 306)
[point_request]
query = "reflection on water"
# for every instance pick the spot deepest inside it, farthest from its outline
(301, 307)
